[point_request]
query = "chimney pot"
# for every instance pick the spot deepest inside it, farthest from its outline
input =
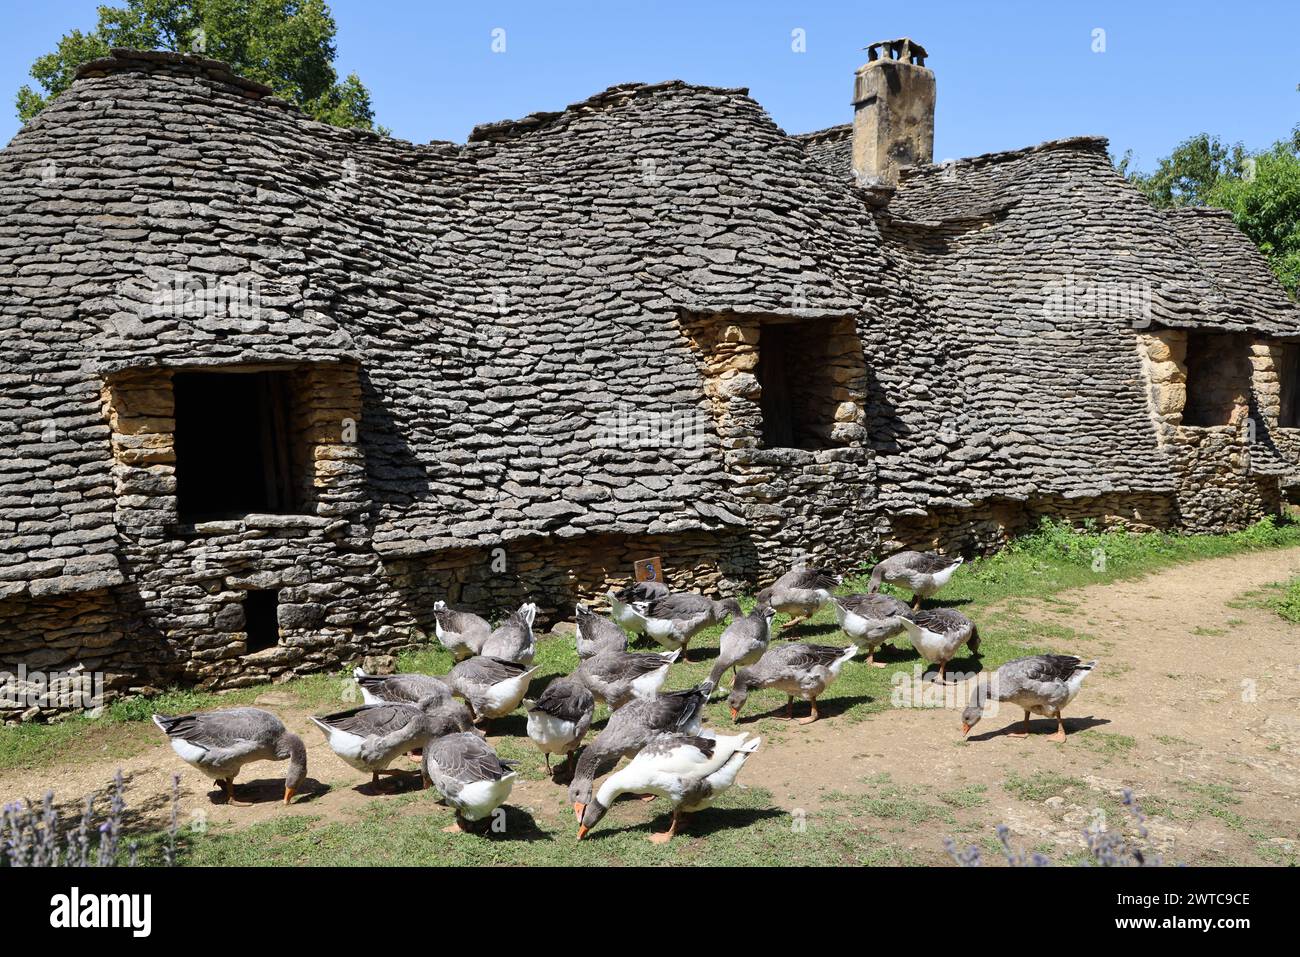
(893, 111)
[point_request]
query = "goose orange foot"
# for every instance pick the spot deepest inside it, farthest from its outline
(812, 714)
(1059, 735)
(663, 837)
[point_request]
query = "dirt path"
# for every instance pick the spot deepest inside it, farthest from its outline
(1194, 706)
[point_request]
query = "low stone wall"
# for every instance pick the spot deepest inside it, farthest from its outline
(991, 525)
(556, 574)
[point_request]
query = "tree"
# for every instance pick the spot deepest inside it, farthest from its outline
(286, 44)
(1261, 190)
(1187, 176)
(1265, 204)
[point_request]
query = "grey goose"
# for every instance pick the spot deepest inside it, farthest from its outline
(800, 670)
(219, 743)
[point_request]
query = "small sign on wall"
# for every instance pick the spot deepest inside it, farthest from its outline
(649, 569)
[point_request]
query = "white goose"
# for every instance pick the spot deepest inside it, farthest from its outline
(689, 771)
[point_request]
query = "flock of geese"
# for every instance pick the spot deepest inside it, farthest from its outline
(442, 718)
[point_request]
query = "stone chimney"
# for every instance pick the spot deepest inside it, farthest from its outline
(893, 111)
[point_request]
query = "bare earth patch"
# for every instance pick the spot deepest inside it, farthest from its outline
(1194, 706)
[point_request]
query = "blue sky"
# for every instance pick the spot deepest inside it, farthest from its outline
(1009, 74)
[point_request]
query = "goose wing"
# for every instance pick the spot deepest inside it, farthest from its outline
(943, 621)
(1039, 669)
(679, 606)
(673, 710)
(485, 669)
(642, 591)
(875, 606)
(624, 665)
(229, 729)
(373, 720)
(802, 656)
(405, 687)
(681, 749)
(466, 758)
(565, 699)
(929, 563)
(808, 578)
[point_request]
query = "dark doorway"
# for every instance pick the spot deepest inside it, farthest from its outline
(261, 623)
(234, 444)
(1288, 375)
(776, 348)
(796, 402)
(1218, 377)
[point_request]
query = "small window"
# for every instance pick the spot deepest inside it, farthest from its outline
(1218, 378)
(797, 401)
(1288, 374)
(261, 620)
(235, 448)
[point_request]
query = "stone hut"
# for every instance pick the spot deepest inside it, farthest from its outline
(271, 388)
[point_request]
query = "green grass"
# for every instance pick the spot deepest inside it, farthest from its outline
(1041, 785)
(742, 829)
(1288, 604)
(1109, 744)
(972, 795)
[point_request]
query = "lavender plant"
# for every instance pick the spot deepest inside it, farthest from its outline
(1107, 848)
(37, 837)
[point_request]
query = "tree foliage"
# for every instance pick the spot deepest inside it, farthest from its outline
(286, 44)
(1265, 203)
(1261, 190)
(1186, 176)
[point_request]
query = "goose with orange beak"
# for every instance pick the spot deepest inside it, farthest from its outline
(1041, 684)
(801, 670)
(630, 729)
(690, 771)
(220, 743)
